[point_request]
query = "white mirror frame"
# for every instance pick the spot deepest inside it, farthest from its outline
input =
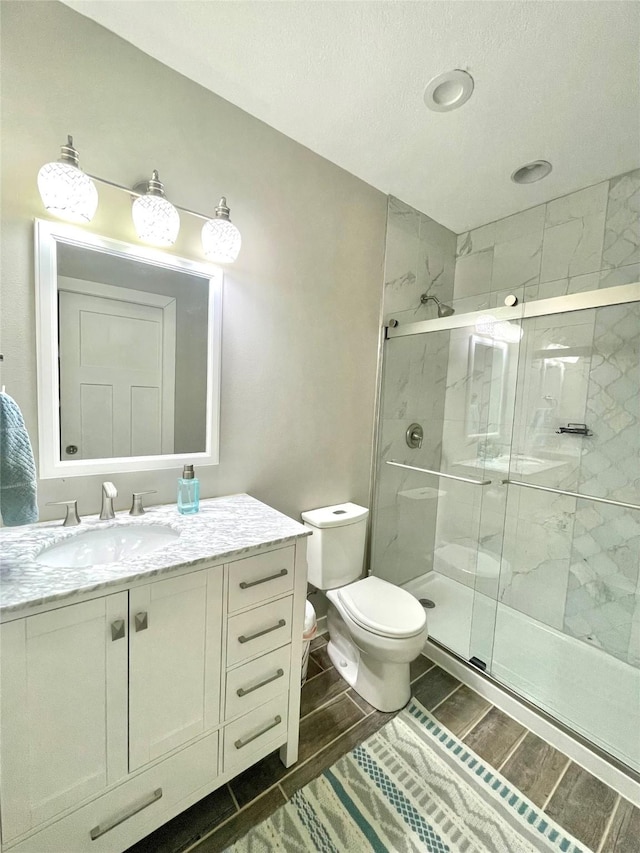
(47, 235)
(474, 342)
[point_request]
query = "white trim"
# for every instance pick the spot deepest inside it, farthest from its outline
(578, 752)
(539, 308)
(109, 291)
(47, 235)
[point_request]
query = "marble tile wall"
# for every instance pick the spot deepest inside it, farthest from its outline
(569, 564)
(603, 595)
(574, 564)
(420, 258)
(582, 241)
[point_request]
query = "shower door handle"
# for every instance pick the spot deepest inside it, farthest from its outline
(441, 474)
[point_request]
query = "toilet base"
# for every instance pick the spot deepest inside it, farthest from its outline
(385, 686)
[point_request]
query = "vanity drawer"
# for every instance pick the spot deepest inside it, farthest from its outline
(258, 631)
(250, 733)
(133, 809)
(254, 683)
(259, 578)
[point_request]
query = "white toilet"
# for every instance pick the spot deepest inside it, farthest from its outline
(375, 628)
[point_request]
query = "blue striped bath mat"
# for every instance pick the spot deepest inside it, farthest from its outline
(413, 787)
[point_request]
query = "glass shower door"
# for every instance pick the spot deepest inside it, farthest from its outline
(436, 504)
(567, 620)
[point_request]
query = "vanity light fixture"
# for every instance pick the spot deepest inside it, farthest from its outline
(70, 193)
(221, 239)
(66, 191)
(156, 220)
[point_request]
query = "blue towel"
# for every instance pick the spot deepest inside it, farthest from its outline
(18, 503)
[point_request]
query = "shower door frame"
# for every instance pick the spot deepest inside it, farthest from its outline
(619, 295)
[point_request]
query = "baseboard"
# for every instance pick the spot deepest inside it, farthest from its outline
(537, 722)
(322, 625)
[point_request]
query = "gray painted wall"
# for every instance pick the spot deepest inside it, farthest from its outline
(301, 305)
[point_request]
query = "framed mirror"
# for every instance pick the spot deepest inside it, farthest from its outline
(485, 389)
(128, 349)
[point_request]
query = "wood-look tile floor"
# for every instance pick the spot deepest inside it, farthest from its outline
(334, 719)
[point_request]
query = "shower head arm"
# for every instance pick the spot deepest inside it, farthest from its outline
(443, 310)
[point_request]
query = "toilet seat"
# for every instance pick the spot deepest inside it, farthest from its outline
(382, 608)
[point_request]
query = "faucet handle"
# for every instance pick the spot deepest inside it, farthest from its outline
(71, 518)
(136, 505)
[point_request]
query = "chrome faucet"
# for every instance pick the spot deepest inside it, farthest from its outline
(109, 492)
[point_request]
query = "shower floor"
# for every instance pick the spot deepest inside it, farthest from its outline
(449, 622)
(587, 689)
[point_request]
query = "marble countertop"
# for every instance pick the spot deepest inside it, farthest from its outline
(224, 528)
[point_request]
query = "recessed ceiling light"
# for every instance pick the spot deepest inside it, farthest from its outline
(532, 172)
(448, 91)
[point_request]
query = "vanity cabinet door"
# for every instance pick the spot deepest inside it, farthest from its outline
(175, 659)
(63, 712)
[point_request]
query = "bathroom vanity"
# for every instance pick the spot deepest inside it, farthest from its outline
(132, 689)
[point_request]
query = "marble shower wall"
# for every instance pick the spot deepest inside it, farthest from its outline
(603, 595)
(582, 241)
(420, 258)
(572, 565)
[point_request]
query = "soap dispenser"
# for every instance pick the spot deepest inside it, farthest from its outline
(188, 492)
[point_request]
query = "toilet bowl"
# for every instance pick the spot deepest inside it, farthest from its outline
(375, 628)
(371, 649)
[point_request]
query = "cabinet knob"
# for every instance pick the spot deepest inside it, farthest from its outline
(141, 621)
(117, 629)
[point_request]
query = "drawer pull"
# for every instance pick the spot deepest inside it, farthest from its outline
(102, 828)
(142, 621)
(248, 584)
(243, 639)
(240, 743)
(242, 691)
(117, 629)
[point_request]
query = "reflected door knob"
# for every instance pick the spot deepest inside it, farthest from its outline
(71, 449)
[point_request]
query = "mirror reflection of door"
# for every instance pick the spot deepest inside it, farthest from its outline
(117, 371)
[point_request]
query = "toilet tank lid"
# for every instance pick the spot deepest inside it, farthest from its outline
(335, 516)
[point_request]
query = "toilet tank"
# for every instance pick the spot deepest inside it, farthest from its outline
(335, 552)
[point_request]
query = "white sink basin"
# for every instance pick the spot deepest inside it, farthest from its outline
(516, 463)
(110, 545)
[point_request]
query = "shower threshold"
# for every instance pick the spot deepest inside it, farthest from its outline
(585, 689)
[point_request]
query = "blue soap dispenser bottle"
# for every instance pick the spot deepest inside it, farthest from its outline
(188, 492)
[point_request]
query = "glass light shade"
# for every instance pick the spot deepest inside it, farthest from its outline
(67, 192)
(221, 241)
(156, 220)
(499, 330)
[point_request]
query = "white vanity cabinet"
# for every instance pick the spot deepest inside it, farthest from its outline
(175, 644)
(120, 711)
(63, 684)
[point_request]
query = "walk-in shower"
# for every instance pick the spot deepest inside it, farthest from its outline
(518, 515)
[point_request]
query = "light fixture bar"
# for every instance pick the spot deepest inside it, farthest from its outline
(136, 194)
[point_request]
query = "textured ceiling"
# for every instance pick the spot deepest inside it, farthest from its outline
(553, 80)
